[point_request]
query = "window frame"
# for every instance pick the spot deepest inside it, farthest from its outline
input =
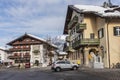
(92, 35)
(118, 31)
(101, 33)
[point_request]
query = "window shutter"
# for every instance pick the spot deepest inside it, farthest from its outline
(102, 32)
(98, 33)
(115, 33)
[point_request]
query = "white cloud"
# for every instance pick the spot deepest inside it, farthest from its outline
(36, 16)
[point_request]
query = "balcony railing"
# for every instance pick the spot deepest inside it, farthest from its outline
(20, 49)
(68, 38)
(69, 49)
(18, 57)
(25, 42)
(80, 27)
(86, 42)
(73, 22)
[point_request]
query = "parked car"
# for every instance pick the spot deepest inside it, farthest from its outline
(64, 64)
(27, 65)
(9, 66)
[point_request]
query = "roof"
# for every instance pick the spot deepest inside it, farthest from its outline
(101, 11)
(33, 36)
(43, 40)
(30, 35)
(88, 8)
(62, 53)
(2, 48)
(36, 37)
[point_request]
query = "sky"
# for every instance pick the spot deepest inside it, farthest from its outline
(38, 17)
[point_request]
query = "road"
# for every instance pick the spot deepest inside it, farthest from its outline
(38, 74)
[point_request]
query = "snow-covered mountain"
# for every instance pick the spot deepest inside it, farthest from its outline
(59, 41)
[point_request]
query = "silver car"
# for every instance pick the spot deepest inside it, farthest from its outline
(64, 64)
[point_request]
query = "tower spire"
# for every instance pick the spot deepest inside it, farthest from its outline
(109, 3)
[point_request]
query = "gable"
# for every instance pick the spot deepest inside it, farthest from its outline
(26, 39)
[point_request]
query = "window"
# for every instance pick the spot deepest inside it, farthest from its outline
(117, 31)
(101, 33)
(33, 40)
(67, 62)
(27, 46)
(92, 36)
(98, 59)
(61, 62)
(80, 36)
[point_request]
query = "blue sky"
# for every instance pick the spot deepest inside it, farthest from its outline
(37, 17)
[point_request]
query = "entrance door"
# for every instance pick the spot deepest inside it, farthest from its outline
(36, 62)
(95, 61)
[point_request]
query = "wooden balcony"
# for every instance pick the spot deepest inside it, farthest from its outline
(26, 43)
(20, 49)
(14, 57)
(27, 55)
(86, 42)
(19, 57)
(80, 27)
(68, 38)
(73, 22)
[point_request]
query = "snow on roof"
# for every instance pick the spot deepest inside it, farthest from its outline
(42, 40)
(115, 14)
(2, 48)
(36, 37)
(99, 10)
(90, 8)
(62, 53)
(53, 45)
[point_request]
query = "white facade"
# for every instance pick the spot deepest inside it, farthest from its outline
(4, 56)
(40, 56)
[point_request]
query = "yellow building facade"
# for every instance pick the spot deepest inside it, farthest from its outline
(93, 35)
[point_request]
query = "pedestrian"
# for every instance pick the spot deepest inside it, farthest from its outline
(19, 66)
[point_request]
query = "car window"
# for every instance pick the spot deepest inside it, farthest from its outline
(61, 62)
(67, 62)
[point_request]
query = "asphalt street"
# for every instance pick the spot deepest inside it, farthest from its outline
(43, 74)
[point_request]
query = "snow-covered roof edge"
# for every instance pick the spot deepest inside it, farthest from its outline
(42, 40)
(36, 37)
(98, 10)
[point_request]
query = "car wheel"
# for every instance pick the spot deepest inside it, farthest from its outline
(75, 68)
(58, 69)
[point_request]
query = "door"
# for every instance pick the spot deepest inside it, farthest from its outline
(68, 64)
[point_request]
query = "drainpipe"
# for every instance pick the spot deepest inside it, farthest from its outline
(108, 43)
